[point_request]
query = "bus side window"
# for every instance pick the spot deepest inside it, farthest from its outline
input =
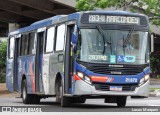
(24, 45)
(49, 39)
(31, 43)
(11, 47)
(60, 38)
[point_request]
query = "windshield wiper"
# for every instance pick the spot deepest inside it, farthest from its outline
(128, 36)
(105, 39)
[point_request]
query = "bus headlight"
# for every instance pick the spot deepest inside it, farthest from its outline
(84, 77)
(143, 80)
(81, 75)
(146, 77)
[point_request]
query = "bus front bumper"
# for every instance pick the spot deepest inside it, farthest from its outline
(83, 88)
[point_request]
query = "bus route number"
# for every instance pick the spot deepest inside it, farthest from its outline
(131, 80)
(96, 18)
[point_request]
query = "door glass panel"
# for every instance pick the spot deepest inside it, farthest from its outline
(60, 37)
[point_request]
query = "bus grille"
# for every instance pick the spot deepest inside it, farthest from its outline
(105, 87)
(113, 70)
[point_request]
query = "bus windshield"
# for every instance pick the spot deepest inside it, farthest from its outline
(121, 49)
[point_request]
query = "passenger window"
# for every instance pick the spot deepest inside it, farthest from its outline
(50, 39)
(11, 47)
(60, 37)
(31, 43)
(24, 45)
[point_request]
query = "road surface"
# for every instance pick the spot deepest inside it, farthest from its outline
(91, 105)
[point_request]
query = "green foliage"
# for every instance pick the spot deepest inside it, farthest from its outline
(84, 5)
(148, 7)
(155, 65)
(3, 51)
(158, 76)
(2, 78)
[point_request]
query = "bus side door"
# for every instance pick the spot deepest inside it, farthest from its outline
(39, 60)
(48, 76)
(10, 64)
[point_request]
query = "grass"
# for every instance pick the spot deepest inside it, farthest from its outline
(153, 89)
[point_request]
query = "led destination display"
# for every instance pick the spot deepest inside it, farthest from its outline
(113, 19)
(90, 18)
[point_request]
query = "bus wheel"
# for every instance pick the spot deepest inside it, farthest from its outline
(65, 101)
(26, 98)
(36, 99)
(58, 90)
(79, 100)
(121, 101)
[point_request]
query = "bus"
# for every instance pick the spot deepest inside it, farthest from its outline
(91, 54)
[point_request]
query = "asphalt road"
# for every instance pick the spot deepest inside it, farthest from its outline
(91, 105)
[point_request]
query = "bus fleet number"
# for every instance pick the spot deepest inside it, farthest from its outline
(131, 80)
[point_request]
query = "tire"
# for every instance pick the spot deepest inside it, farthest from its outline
(64, 101)
(26, 98)
(58, 90)
(78, 100)
(121, 101)
(36, 99)
(81, 100)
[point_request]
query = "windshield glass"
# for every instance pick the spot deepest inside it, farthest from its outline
(94, 47)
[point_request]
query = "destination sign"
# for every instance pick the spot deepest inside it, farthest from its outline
(113, 19)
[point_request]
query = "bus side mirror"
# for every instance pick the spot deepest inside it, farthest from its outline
(152, 43)
(78, 44)
(74, 35)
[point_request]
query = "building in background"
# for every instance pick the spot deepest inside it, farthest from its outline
(15, 14)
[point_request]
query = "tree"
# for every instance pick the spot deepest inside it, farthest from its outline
(148, 7)
(3, 51)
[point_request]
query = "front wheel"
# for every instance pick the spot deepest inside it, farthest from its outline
(78, 100)
(65, 101)
(121, 101)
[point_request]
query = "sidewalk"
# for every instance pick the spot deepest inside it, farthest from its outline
(154, 88)
(4, 92)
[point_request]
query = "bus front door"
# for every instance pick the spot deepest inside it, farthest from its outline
(68, 65)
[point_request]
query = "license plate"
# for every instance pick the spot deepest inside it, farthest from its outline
(115, 88)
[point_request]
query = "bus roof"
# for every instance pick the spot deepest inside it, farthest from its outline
(50, 21)
(113, 12)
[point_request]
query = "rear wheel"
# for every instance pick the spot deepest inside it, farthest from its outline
(26, 98)
(121, 101)
(36, 99)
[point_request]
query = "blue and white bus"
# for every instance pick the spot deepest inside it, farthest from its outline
(92, 54)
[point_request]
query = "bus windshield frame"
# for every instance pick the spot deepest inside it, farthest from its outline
(92, 47)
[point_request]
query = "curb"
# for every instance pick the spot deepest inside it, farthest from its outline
(154, 93)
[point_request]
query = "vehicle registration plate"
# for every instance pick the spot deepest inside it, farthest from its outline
(115, 88)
